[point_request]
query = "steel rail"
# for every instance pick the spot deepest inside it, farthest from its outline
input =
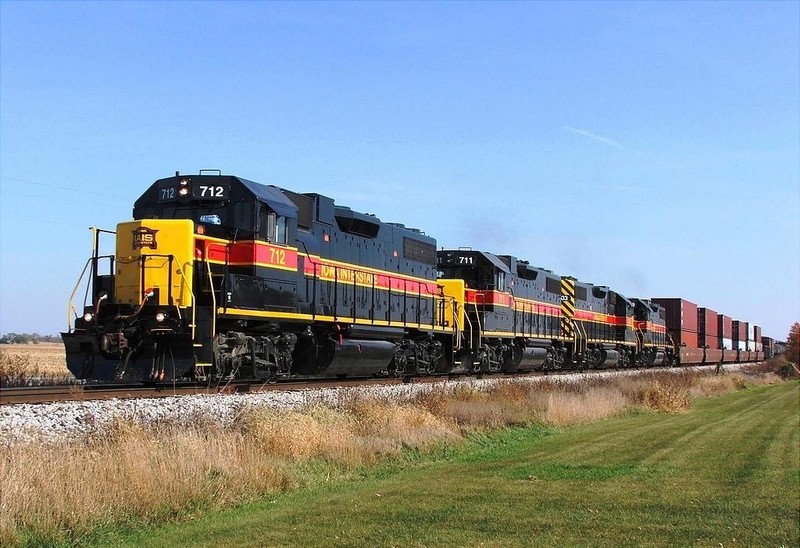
(87, 392)
(78, 392)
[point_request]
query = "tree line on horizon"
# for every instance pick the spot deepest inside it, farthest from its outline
(28, 338)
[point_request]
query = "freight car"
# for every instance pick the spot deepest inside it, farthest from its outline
(218, 277)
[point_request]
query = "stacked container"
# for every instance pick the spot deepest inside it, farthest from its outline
(725, 331)
(768, 344)
(681, 318)
(739, 335)
(757, 338)
(751, 337)
(707, 328)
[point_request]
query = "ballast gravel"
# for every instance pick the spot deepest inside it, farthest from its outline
(64, 421)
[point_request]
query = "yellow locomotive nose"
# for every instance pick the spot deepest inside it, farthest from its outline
(157, 255)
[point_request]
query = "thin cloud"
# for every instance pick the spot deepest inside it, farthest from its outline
(599, 138)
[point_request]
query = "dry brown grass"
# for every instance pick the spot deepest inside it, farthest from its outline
(67, 489)
(564, 408)
(665, 397)
(62, 491)
(514, 403)
(22, 364)
(355, 434)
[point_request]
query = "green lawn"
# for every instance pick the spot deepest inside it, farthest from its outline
(725, 474)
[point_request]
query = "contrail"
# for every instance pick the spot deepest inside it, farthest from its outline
(591, 135)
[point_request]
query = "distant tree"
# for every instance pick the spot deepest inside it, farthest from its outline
(793, 344)
(27, 338)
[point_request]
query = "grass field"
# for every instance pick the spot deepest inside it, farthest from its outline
(726, 473)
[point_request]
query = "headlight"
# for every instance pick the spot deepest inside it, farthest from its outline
(183, 191)
(161, 316)
(88, 317)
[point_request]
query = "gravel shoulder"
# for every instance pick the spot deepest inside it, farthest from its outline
(65, 421)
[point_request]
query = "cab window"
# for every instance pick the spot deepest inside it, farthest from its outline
(272, 227)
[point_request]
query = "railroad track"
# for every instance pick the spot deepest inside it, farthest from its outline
(78, 392)
(86, 392)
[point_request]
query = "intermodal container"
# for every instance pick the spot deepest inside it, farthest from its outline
(727, 344)
(681, 320)
(725, 326)
(743, 333)
(751, 337)
(707, 328)
(757, 338)
(681, 337)
(737, 330)
(768, 344)
(740, 334)
(725, 331)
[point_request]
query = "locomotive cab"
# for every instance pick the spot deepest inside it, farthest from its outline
(221, 206)
(480, 271)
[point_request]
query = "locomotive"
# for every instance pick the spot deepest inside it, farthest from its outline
(219, 278)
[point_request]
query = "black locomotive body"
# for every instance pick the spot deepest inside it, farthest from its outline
(519, 317)
(218, 277)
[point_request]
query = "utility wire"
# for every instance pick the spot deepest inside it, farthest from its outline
(59, 187)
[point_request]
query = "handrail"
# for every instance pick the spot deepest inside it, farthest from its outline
(456, 314)
(314, 278)
(640, 338)
(480, 329)
(70, 306)
(582, 335)
(170, 258)
(213, 303)
(194, 300)
(95, 255)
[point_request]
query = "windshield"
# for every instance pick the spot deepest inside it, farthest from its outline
(226, 215)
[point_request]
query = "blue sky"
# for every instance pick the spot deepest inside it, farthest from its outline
(651, 147)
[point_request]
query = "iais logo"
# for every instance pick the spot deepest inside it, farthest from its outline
(144, 237)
